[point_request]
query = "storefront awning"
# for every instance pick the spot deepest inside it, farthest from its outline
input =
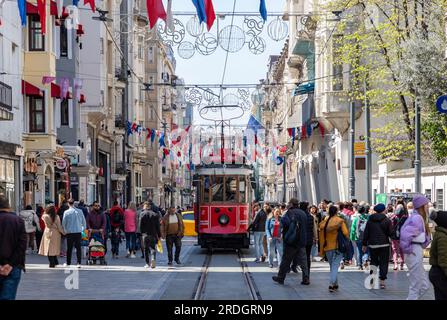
(30, 90)
(56, 92)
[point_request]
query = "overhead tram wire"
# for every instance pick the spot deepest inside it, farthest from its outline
(226, 58)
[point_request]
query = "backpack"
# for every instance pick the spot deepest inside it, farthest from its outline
(395, 234)
(292, 235)
(116, 217)
(343, 243)
(361, 225)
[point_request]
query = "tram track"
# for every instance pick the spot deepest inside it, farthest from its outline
(200, 287)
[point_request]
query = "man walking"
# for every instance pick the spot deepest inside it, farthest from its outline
(294, 224)
(96, 220)
(258, 228)
(12, 250)
(73, 223)
(150, 234)
(173, 229)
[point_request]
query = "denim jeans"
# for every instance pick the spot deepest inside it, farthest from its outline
(334, 258)
(131, 239)
(259, 249)
(9, 284)
(275, 246)
(361, 257)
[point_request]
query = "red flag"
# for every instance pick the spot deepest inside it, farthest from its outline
(42, 9)
(149, 133)
(134, 126)
(320, 126)
(210, 14)
(91, 3)
(303, 132)
(290, 131)
(166, 151)
(155, 10)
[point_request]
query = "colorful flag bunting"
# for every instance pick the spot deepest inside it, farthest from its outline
(200, 7)
(22, 10)
(155, 11)
(91, 3)
(210, 14)
(47, 79)
(263, 10)
(42, 9)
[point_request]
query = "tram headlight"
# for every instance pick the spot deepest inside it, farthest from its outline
(224, 219)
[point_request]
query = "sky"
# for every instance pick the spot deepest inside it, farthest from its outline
(242, 66)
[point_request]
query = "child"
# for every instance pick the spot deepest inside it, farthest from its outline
(116, 240)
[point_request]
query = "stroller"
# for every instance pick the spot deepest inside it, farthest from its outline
(96, 249)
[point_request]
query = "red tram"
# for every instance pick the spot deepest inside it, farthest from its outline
(223, 205)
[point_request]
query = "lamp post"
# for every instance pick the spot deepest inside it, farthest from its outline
(417, 161)
(352, 154)
(279, 128)
(368, 146)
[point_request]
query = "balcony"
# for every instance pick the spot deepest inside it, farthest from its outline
(119, 122)
(336, 109)
(119, 74)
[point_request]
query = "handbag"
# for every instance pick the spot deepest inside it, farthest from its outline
(159, 246)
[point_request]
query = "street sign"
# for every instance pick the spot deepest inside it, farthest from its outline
(359, 148)
(441, 104)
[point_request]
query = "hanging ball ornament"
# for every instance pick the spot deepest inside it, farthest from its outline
(186, 50)
(194, 27)
(277, 30)
(254, 26)
(232, 38)
(257, 45)
(208, 95)
(206, 44)
(230, 99)
(171, 37)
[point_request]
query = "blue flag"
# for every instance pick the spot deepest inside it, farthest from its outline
(22, 10)
(75, 2)
(200, 7)
(129, 128)
(161, 141)
(254, 124)
(153, 133)
(263, 10)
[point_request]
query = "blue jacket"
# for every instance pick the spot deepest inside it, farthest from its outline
(74, 221)
(269, 225)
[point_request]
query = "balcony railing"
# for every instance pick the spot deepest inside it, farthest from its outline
(5, 96)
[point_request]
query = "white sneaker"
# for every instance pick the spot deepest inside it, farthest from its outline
(65, 265)
(146, 266)
(78, 266)
(132, 256)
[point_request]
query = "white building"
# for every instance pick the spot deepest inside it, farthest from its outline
(11, 104)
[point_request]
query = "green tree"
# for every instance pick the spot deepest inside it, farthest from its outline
(397, 47)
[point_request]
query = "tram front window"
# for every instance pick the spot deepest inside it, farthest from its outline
(217, 189)
(231, 189)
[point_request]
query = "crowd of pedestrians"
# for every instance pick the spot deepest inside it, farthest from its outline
(344, 233)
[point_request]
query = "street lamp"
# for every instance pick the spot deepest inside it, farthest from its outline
(279, 128)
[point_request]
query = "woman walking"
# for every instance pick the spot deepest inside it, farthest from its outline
(273, 232)
(329, 230)
(130, 228)
(50, 245)
(414, 238)
(398, 219)
(314, 251)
